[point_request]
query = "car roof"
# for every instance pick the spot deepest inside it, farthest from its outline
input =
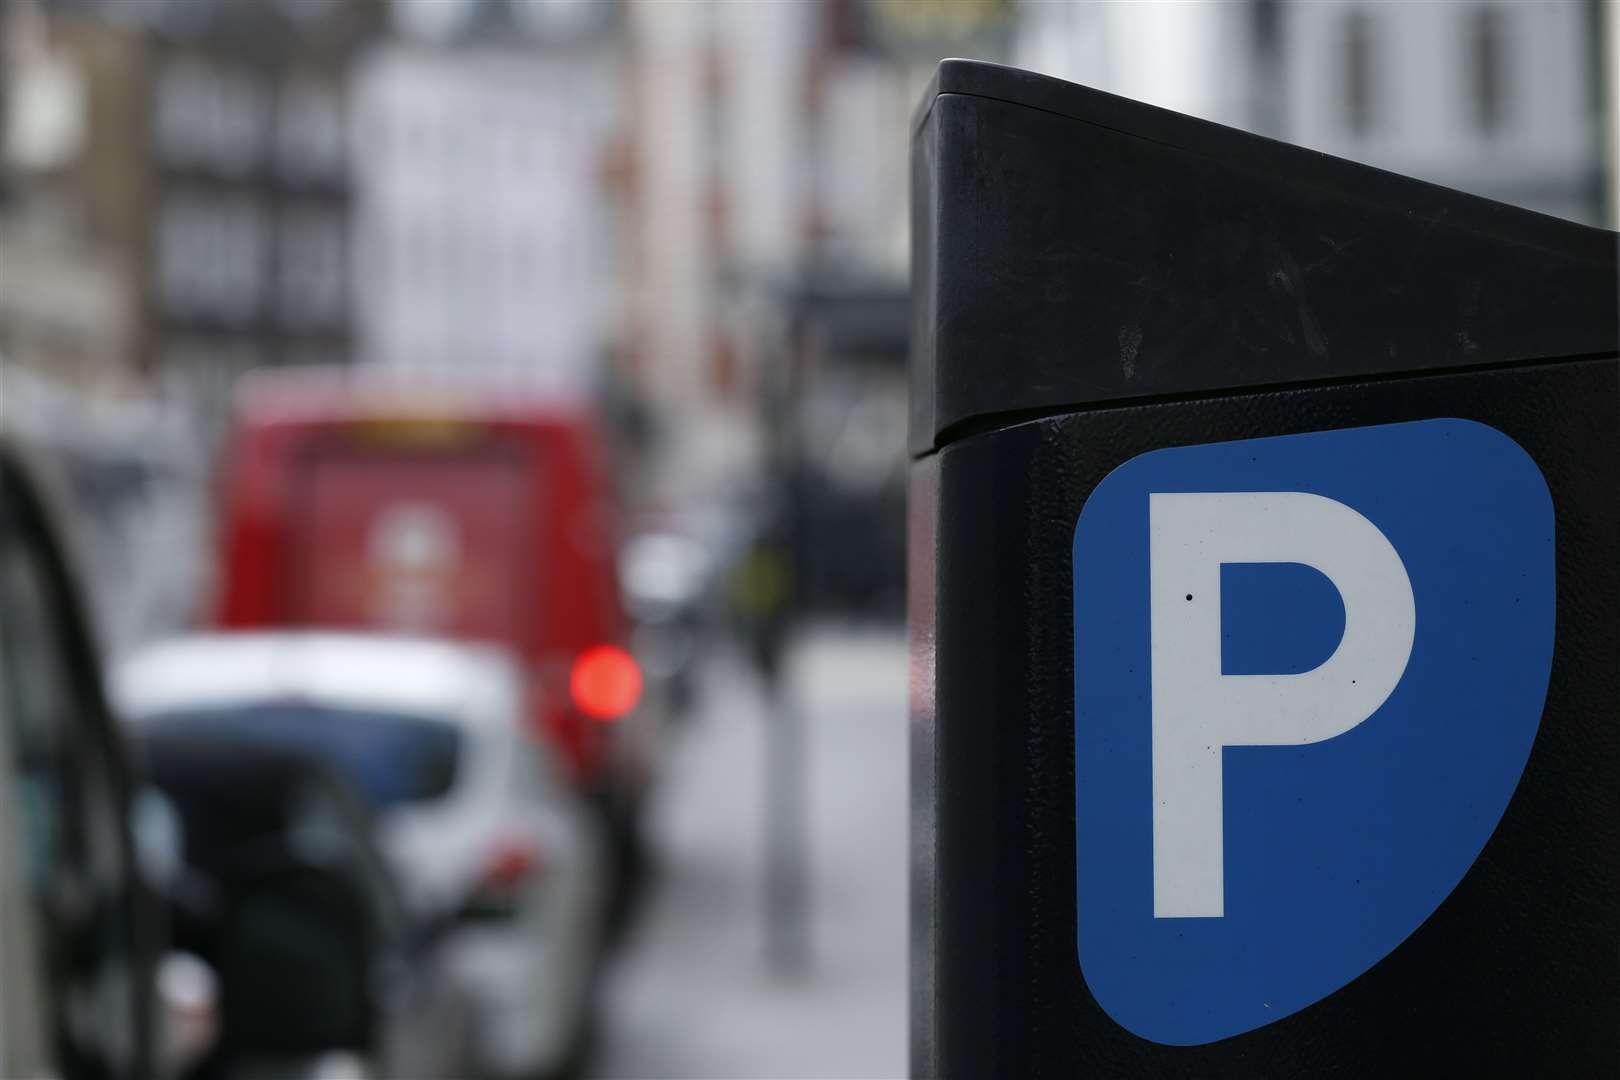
(327, 394)
(474, 685)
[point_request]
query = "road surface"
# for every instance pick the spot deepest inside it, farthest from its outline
(689, 994)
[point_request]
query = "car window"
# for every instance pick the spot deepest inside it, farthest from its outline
(388, 760)
(63, 806)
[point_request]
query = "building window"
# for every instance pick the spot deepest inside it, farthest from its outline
(310, 290)
(1358, 73)
(309, 133)
(1487, 41)
(211, 254)
(209, 117)
(181, 99)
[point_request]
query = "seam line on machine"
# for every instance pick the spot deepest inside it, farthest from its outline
(983, 423)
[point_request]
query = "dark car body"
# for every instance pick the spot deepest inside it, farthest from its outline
(77, 928)
(283, 892)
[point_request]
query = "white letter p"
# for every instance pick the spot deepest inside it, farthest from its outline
(1197, 710)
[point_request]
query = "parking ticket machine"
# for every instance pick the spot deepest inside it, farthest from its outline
(1264, 598)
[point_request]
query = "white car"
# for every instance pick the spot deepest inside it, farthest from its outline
(476, 821)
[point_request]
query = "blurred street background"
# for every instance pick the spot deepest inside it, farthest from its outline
(688, 224)
(691, 997)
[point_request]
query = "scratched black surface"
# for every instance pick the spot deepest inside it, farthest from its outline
(1517, 973)
(1071, 246)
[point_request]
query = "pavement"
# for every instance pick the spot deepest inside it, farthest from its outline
(690, 992)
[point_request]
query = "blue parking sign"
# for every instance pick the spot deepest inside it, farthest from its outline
(1309, 671)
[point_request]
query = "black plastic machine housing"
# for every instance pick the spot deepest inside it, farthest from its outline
(1094, 278)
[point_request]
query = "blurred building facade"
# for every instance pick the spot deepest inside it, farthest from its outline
(769, 155)
(1501, 98)
(193, 158)
(483, 239)
(251, 187)
(68, 198)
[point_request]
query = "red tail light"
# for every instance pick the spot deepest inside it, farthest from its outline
(605, 682)
(510, 865)
(499, 894)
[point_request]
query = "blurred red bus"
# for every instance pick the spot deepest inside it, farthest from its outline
(359, 501)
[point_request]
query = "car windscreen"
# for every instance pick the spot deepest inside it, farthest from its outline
(389, 759)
